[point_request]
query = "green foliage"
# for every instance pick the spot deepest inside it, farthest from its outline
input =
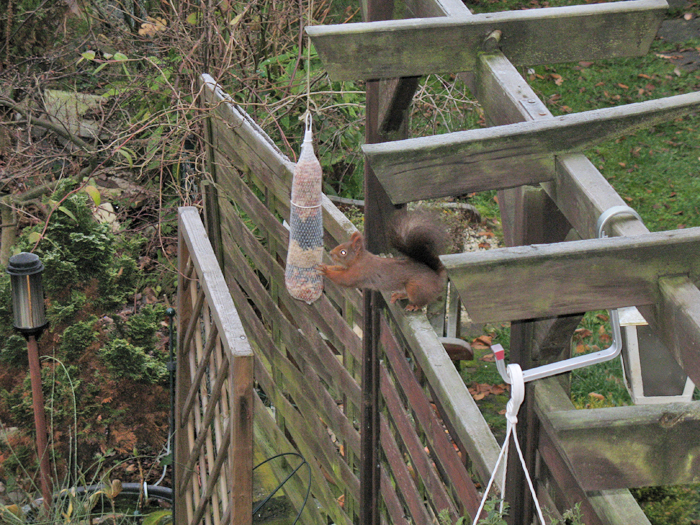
(34, 25)
(60, 274)
(119, 282)
(141, 328)
(76, 338)
(677, 505)
(61, 312)
(14, 352)
(131, 362)
(59, 396)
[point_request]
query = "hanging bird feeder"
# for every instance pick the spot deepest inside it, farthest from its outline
(305, 251)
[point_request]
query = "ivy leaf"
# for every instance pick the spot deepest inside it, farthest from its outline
(94, 194)
(34, 237)
(68, 212)
(128, 155)
(87, 55)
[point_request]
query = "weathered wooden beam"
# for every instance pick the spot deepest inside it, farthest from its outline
(529, 282)
(395, 99)
(631, 446)
(507, 156)
(679, 306)
(415, 47)
(582, 193)
(613, 507)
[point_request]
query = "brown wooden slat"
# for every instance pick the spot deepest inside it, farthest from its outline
(419, 458)
(204, 429)
(414, 47)
(322, 360)
(459, 407)
(571, 277)
(199, 373)
(391, 499)
(405, 485)
(213, 479)
(194, 319)
(444, 452)
(240, 474)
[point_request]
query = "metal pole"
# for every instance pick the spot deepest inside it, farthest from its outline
(39, 420)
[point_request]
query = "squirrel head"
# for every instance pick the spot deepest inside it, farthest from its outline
(347, 252)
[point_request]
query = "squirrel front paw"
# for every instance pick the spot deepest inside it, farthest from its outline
(323, 268)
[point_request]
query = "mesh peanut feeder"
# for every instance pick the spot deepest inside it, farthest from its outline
(305, 252)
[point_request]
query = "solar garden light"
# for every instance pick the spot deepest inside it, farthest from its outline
(30, 321)
(651, 373)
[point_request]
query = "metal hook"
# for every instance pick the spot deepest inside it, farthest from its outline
(567, 365)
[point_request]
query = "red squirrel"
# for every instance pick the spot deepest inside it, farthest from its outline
(419, 276)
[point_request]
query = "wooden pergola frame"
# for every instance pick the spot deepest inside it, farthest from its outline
(568, 192)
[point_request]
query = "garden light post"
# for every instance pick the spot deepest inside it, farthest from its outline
(30, 321)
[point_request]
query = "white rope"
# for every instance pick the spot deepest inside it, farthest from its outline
(517, 395)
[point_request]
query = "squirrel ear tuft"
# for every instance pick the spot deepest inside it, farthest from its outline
(356, 239)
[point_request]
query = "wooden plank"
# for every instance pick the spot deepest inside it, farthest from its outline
(536, 281)
(240, 474)
(411, 443)
(414, 47)
(617, 507)
(202, 368)
(680, 303)
(442, 450)
(459, 407)
(212, 282)
(406, 486)
(506, 156)
(397, 94)
(631, 446)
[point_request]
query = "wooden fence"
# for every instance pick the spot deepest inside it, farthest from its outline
(308, 357)
(213, 439)
(433, 446)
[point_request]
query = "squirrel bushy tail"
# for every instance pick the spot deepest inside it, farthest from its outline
(419, 236)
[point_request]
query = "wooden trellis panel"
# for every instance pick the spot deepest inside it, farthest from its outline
(213, 435)
(307, 357)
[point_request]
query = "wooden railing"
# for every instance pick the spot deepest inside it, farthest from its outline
(214, 426)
